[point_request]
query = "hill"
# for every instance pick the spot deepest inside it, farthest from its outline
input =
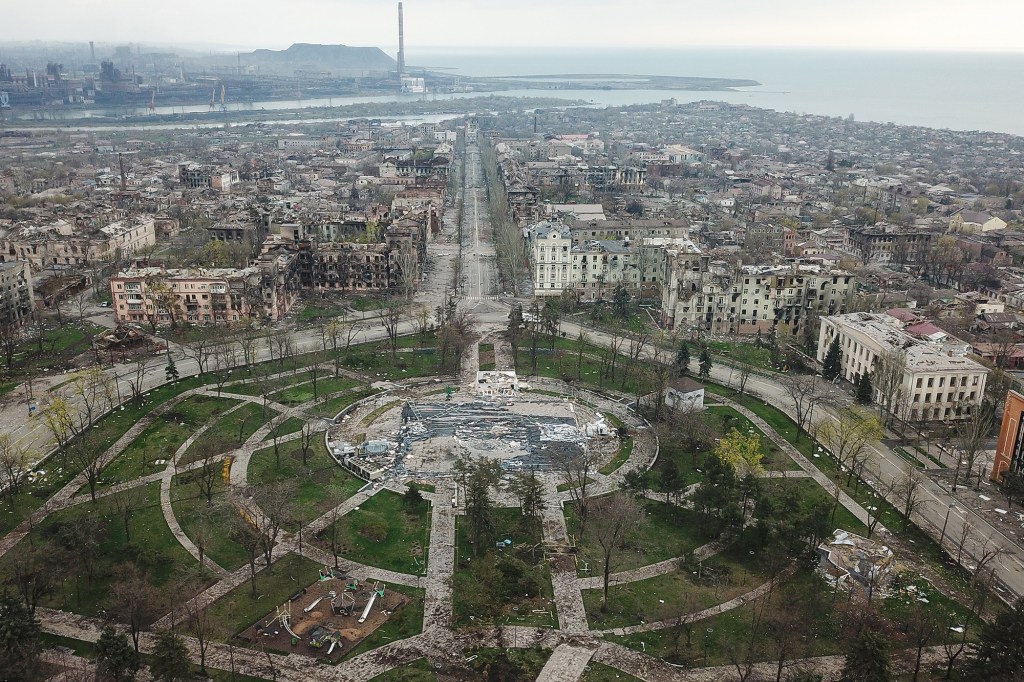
(340, 60)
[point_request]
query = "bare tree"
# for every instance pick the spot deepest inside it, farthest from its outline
(225, 356)
(887, 380)
(199, 346)
(247, 343)
(391, 318)
(308, 432)
(13, 462)
(972, 434)
(612, 518)
(208, 473)
(126, 503)
(575, 470)
(909, 491)
(201, 624)
(847, 437)
(136, 600)
(804, 393)
(140, 369)
(245, 534)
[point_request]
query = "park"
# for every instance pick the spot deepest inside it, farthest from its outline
(414, 520)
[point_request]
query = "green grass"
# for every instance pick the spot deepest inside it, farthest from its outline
(561, 363)
(63, 538)
(419, 670)
(238, 609)
(192, 512)
(303, 393)
(320, 485)
(486, 357)
(503, 586)
(625, 450)
(376, 361)
(330, 408)
(253, 387)
(372, 416)
(746, 353)
(809, 490)
(229, 432)
(311, 313)
(508, 664)
(666, 596)
(288, 426)
(599, 672)
(669, 531)
(406, 622)
(162, 438)
(384, 532)
(908, 457)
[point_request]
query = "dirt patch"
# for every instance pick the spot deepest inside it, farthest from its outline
(323, 624)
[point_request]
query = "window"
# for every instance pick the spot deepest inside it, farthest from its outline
(931, 382)
(919, 382)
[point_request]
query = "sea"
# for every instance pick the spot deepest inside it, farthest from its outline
(955, 90)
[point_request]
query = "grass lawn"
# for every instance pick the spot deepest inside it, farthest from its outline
(238, 609)
(599, 672)
(810, 490)
(59, 344)
(559, 364)
(289, 425)
(87, 543)
(311, 313)
(670, 531)
(486, 357)
(161, 439)
(384, 532)
(747, 353)
(726, 418)
(405, 622)
(303, 393)
(508, 664)
(734, 571)
(253, 387)
(321, 483)
(229, 432)
(625, 450)
(419, 670)
(818, 622)
(492, 587)
(216, 520)
(331, 408)
(376, 361)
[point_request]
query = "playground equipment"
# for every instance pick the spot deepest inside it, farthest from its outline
(378, 591)
(343, 604)
(284, 614)
(316, 601)
(322, 635)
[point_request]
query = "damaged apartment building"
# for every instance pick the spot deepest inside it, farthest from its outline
(298, 258)
(716, 297)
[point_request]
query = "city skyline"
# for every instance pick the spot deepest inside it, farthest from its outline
(432, 24)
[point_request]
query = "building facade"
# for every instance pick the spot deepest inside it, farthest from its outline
(939, 382)
(1010, 448)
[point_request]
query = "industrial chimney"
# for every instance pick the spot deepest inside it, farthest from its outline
(92, 52)
(401, 43)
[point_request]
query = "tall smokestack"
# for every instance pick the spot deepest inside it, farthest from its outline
(92, 51)
(401, 43)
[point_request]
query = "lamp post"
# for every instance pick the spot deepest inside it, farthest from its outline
(942, 536)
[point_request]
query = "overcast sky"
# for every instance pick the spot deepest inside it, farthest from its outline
(872, 24)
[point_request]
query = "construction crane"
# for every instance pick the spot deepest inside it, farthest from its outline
(152, 101)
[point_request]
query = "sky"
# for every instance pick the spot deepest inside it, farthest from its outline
(943, 25)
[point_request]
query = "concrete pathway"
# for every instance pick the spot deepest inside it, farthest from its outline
(572, 616)
(567, 664)
(437, 606)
